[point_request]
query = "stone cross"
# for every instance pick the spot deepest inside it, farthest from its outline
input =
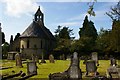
(18, 60)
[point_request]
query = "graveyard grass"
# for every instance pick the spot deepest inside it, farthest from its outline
(45, 69)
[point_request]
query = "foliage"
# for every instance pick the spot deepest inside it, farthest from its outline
(91, 7)
(5, 49)
(3, 37)
(115, 35)
(114, 14)
(17, 36)
(103, 42)
(88, 35)
(11, 39)
(63, 37)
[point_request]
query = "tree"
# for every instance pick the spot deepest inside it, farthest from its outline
(11, 39)
(114, 14)
(88, 35)
(103, 42)
(91, 7)
(5, 49)
(17, 36)
(115, 35)
(3, 37)
(63, 37)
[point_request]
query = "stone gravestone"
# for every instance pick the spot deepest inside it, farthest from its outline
(91, 67)
(72, 73)
(95, 57)
(113, 62)
(31, 68)
(51, 58)
(36, 59)
(18, 60)
(33, 58)
(74, 70)
(113, 72)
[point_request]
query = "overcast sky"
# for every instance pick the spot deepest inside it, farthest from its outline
(16, 15)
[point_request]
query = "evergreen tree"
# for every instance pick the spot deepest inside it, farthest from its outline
(3, 37)
(11, 39)
(17, 36)
(88, 35)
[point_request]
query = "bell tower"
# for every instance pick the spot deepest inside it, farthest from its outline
(39, 17)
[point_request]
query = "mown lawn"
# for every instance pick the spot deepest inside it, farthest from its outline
(45, 69)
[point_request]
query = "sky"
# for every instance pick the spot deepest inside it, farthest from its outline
(17, 15)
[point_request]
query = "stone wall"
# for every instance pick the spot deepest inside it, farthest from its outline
(36, 46)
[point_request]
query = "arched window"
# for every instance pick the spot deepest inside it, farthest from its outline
(28, 43)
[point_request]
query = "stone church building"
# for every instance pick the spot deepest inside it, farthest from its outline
(36, 38)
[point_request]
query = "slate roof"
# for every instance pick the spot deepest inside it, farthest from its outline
(37, 29)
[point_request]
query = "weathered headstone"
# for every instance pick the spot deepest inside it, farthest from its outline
(91, 67)
(33, 58)
(31, 68)
(74, 70)
(95, 57)
(18, 60)
(113, 72)
(51, 58)
(72, 73)
(113, 62)
(36, 59)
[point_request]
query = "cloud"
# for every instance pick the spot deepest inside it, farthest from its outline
(79, 17)
(17, 8)
(68, 24)
(100, 15)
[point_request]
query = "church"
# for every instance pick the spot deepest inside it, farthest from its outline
(36, 39)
